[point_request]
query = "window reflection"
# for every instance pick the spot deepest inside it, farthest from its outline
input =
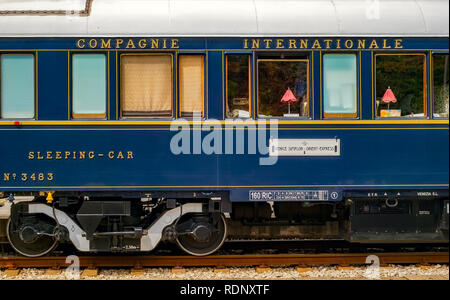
(440, 85)
(238, 86)
(339, 85)
(16, 86)
(400, 85)
(283, 88)
(89, 85)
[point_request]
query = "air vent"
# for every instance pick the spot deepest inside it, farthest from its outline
(55, 7)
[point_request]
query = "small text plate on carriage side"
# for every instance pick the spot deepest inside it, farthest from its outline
(305, 147)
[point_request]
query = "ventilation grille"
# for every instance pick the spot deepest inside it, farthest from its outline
(59, 11)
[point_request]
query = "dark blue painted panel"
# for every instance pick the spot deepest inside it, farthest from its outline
(366, 85)
(113, 87)
(377, 158)
(53, 85)
(215, 95)
(315, 83)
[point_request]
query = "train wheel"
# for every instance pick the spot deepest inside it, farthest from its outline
(201, 235)
(29, 238)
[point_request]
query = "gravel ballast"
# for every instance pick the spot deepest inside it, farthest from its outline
(285, 273)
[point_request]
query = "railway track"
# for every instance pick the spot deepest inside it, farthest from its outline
(121, 261)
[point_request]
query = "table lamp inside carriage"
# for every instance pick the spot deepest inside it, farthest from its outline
(290, 98)
(389, 98)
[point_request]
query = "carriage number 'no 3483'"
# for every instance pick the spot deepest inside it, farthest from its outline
(28, 176)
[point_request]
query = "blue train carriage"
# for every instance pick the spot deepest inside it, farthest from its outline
(127, 124)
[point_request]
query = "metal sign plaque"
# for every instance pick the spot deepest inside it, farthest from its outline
(305, 147)
(294, 195)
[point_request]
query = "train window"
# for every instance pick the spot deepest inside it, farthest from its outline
(191, 85)
(283, 88)
(89, 85)
(16, 86)
(400, 89)
(440, 85)
(339, 79)
(146, 85)
(238, 86)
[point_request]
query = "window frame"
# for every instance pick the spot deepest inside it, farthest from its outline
(250, 96)
(178, 81)
(35, 84)
(351, 116)
(173, 85)
(432, 54)
(424, 87)
(308, 82)
(104, 116)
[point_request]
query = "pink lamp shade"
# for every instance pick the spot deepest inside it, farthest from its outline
(289, 97)
(389, 96)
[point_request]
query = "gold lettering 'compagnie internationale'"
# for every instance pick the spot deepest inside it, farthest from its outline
(254, 43)
(79, 155)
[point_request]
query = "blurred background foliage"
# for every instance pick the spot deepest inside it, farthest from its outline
(441, 85)
(404, 74)
(274, 78)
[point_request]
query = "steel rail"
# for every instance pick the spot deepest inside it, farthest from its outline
(228, 260)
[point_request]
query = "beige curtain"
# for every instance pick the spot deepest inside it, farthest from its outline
(146, 85)
(191, 84)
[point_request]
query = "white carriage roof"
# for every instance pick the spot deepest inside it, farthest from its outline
(224, 18)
